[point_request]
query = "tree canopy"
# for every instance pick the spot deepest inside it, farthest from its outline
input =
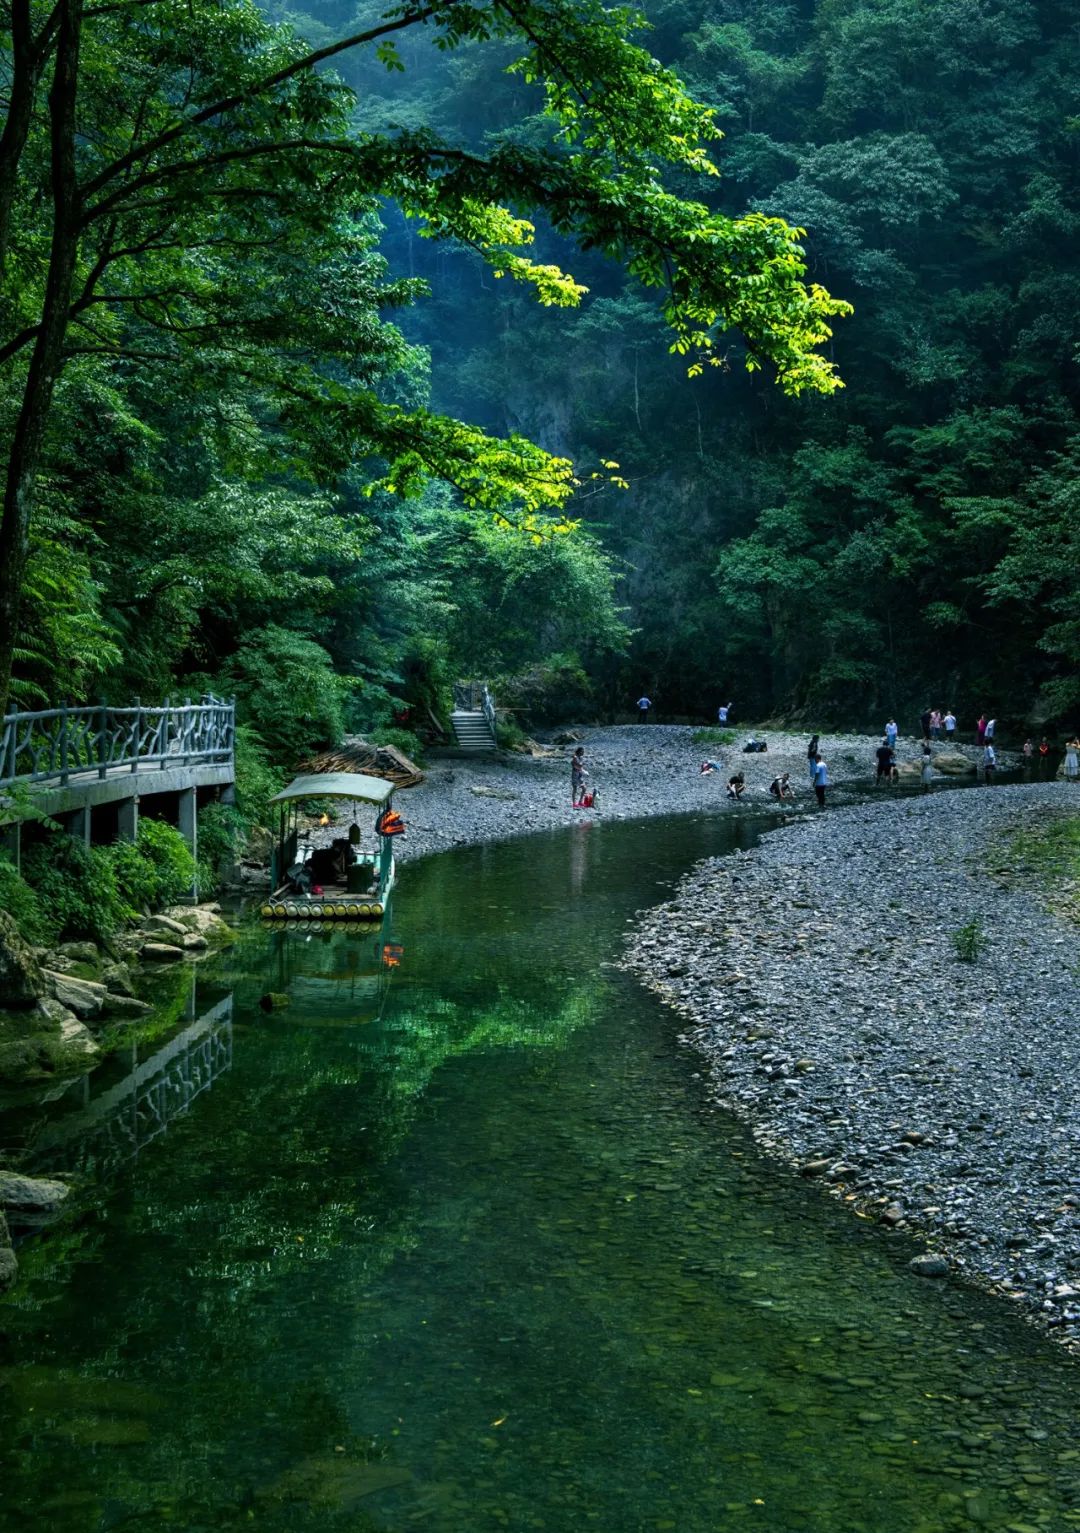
(187, 202)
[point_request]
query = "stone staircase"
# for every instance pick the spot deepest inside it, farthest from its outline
(473, 718)
(472, 731)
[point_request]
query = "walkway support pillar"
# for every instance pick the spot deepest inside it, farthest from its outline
(127, 819)
(11, 844)
(188, 825)
(77, 824)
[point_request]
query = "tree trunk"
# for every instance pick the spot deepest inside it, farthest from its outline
(27, 59)
(29, 433)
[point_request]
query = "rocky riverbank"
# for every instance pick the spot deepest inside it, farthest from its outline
(637, 771)
(823, 977)
(64, 1007)
(53, 1002)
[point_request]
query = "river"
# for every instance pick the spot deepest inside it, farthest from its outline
(453, 1242)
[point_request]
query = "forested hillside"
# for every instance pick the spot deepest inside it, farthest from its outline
(291, 422)
(914, 538)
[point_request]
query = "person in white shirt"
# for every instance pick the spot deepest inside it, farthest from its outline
(989, 763)
(988, 735)
(950, 724)
(643, 705)
(723, 711)
(821, 779)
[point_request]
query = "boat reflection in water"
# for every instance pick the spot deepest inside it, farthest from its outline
(336, 973)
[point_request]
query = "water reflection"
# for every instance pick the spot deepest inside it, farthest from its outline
(112, 1124)
(456, 1244)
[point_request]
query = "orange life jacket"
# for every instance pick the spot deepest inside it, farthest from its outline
(389, 823)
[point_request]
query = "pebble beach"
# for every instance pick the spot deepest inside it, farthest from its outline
(820, 978)
(636, 770)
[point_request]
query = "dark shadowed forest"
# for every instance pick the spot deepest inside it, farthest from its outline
(327, 435)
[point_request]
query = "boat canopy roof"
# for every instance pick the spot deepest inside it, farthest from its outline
(373, 790)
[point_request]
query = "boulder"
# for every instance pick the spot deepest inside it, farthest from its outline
(125, 1006)
(21, 979)
(85, 997)
(200, 920)
(953, 764)
(930, 1265)
(29, 1198)
(76, 1040)
(80, 952)
(195, 942)
(163, 924)
(160, 952)
(116, 978)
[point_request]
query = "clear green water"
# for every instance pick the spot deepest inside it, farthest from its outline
(459, 1247)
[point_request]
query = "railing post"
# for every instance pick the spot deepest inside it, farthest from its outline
(186, 728)
(138, 734)
(164, 726)
(64, 774)
(12, 750)
(230, 726)
(103, 742)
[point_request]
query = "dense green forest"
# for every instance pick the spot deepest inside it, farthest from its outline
(293, 408)
(912, 538)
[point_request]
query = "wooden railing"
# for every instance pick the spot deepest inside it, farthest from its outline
(58, 744)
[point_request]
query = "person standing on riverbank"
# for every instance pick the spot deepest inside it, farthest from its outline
(980, 729)
(1072, 760)
(643, 705)
(578, 777)
(935, 724)
(927, 773)
(950, 726)
(989, 731)
(821, 779)
(812, 755)
(989, 764)
(885, 762)
(722, 712)
(924, 723)
(892, 730)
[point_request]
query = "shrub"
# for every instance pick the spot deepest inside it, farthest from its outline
(403, 739)
(166, 854)
(256, 780)
(76, 888)
(135, 878)
(222, 830)
(714, 737)
(22, 903)
(970, 941)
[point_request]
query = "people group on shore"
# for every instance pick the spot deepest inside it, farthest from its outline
(935, 725)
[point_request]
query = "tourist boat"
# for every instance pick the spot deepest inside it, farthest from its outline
(349, 880)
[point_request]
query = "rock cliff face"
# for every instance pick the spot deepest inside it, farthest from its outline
(8, 1264)
(21, 979)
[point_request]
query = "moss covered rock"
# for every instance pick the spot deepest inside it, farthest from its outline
(21, 980)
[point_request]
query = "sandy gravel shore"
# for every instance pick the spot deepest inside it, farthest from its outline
(636, 770)
(819, 977)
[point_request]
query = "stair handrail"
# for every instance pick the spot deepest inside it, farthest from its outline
(488, 707)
